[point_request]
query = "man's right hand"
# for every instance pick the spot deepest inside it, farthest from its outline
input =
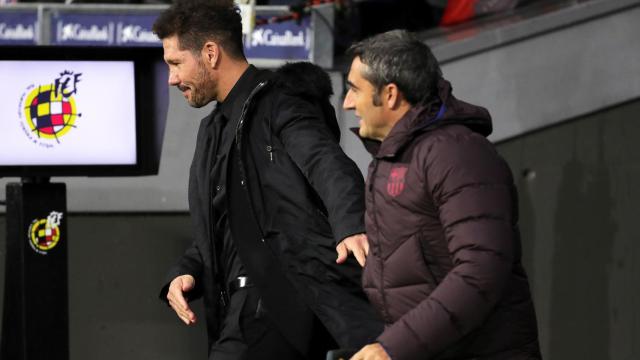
(357, 244)
(175, 296)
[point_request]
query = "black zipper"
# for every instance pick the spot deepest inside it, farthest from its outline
(374, 171)
(241, 168)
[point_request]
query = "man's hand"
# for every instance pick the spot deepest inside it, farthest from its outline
(177, 288)
(356, 244)
(371, 352)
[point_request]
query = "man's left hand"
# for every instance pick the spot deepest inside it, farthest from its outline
(371, 352)
(356, 244)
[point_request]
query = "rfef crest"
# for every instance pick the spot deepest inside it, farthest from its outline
(50, 109)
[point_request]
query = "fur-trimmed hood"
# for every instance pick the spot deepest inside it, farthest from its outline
(305, 79)
(312, 83)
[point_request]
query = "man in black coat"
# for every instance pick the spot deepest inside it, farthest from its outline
(272, 197)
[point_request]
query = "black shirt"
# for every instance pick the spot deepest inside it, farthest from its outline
(224, 127)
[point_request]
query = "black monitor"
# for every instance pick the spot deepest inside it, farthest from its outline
(81, 111)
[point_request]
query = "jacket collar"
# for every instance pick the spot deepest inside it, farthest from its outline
(239, 93)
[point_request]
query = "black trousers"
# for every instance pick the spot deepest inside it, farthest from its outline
(249, 333)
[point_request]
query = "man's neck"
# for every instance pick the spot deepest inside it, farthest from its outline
(394, 117)
(230, 77)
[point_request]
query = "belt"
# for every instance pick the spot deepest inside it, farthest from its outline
(238, 283)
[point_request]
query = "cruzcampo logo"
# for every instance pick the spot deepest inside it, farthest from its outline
(44, 234)
(49, 111)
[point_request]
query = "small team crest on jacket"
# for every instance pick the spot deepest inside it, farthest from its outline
(395, 184)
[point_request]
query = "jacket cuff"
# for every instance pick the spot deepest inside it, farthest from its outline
(195, 293)
(163, 294)
(344, 232)
(399, 346)
(385, 350)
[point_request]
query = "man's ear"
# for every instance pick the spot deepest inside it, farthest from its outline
(211, 54)
(392, 96)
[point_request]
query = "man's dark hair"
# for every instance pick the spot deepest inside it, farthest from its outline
(399, 57)
(197, 21)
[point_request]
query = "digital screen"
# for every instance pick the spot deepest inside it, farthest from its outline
(67, 113)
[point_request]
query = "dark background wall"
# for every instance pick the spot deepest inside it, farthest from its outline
(579, 216)
(578, 202)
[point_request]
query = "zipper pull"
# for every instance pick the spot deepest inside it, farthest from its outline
(270, 151)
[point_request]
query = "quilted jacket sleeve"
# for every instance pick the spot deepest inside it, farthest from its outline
(473, 190)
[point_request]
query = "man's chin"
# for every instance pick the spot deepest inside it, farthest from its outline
(365, 134)
(196, 103)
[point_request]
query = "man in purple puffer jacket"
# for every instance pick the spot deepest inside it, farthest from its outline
(443, 262)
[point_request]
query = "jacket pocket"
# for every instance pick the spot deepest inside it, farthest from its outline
(427, 257)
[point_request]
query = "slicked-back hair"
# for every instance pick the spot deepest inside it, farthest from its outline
(398, 57)
(197, 21)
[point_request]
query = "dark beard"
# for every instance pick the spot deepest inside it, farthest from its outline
(200, 86)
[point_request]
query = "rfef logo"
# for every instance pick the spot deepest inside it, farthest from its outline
(44, 234)
(50, 110)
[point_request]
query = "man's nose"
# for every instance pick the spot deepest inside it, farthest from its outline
(173, 79)
(348, 103)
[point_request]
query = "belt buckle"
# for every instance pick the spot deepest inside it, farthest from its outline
(238, 283)
(242, 281)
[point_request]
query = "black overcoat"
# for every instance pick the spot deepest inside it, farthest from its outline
(302, 194)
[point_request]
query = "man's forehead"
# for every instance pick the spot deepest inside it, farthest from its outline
(172, 51)
(356, 71)
(353, 69)
(357, 63)
(169, 43)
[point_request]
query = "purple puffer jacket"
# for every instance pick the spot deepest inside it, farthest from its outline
(444, 268)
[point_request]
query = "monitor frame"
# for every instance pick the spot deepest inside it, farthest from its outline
(151, 102)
